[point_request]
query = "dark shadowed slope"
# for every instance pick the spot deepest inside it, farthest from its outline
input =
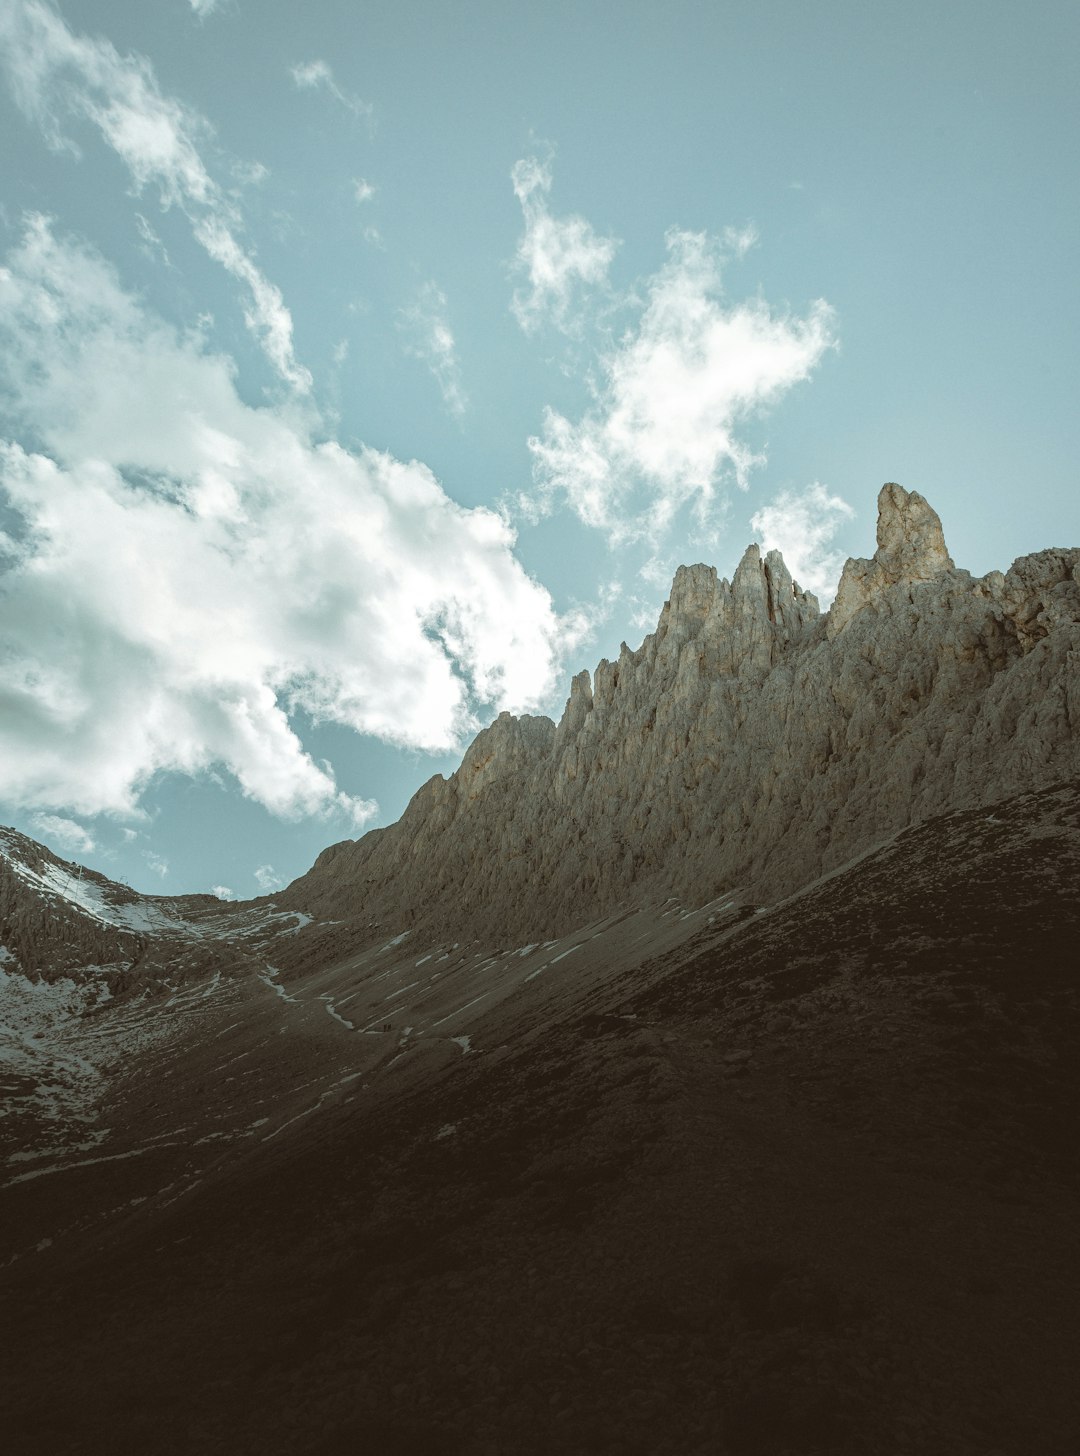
(794, 1181)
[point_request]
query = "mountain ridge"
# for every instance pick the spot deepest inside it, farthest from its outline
(750, 742)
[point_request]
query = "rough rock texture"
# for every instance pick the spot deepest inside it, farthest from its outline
(749, 742)
(910, 548)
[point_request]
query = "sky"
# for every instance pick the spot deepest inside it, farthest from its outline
(366, 371)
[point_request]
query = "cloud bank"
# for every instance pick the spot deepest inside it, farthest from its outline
(58, 77)
(182, 573)
(664, 429)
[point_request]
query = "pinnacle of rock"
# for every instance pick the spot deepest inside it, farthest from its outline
(910, 549)
(910, 541)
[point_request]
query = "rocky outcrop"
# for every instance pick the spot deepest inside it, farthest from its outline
(748, 742)
(910, 550)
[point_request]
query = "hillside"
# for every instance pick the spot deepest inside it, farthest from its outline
(799, 1181)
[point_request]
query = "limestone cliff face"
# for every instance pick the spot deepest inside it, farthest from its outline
(749, 742)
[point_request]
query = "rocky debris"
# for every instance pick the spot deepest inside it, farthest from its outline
(748, 741)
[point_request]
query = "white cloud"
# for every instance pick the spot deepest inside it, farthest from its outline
(56, 75)
(223, 892)
(316, 75)
(64, 832)
(431, 339)
(363, 190)
(159, 866)
(204, 7)
(250, 174)
(664, 426)
(800, 527)
(558, 255)
(192, 571)
(268, 879)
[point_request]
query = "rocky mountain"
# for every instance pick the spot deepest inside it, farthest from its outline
(749, 743)
(694, 1077)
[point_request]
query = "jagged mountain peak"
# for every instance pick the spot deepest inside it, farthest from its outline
(910, 541)
(910, 550)
(748, 742)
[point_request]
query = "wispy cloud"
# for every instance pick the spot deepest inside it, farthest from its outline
(153, 247)
(190, 571)
(363, 190)
(800, 525)
(156, 863)
(317, 76)
(559, 256)
(64, 832)
(223, 892)
(267, 879)
(429, 337)
(204, 7)
(58, 77)
(665, 428)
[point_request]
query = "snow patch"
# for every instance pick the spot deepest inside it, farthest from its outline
(330, 1011)
(269, 979)
(563, 954)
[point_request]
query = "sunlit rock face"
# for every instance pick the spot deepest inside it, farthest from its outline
(910, 549)
(749, 742)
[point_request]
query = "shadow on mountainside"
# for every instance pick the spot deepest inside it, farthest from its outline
(806, 1185)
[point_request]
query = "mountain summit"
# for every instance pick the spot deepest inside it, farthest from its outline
(749, 743)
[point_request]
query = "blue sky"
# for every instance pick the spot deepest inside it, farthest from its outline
(365, 370)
